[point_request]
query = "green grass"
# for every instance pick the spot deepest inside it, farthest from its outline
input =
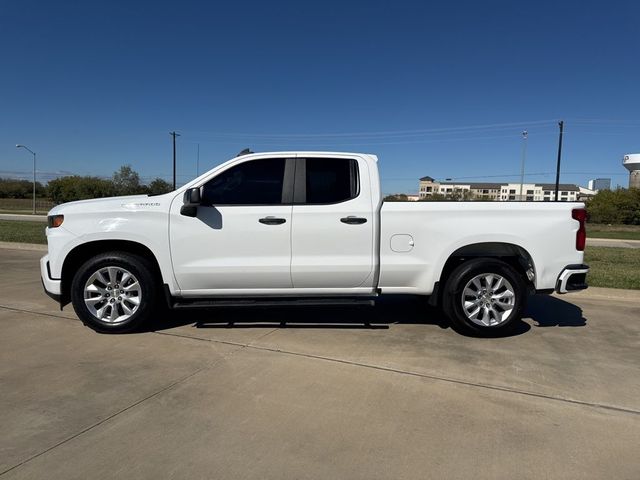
(613, 267)
(24, 232)
(623, 232)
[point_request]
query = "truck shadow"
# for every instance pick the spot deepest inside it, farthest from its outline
(388, 311)
(550, 311)
(545, 311)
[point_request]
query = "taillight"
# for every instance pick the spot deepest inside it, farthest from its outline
(580, 214)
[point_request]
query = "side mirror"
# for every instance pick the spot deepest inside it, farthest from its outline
(190, 202)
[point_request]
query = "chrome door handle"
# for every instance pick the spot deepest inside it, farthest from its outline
(272, 220)
(352, 220)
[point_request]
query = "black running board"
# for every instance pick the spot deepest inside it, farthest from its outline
(183, 303)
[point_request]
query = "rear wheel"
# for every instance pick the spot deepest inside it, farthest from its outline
(484, 297)
(114, 292)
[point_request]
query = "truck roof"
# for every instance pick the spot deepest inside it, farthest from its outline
(311, 153)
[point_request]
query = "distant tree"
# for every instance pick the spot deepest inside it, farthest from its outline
(159, 186)
(76, 187)
(435, 197)
(615, 206)
(396, 197)
(14, 188)
(459, 196)
(462, 196)
(126, 181)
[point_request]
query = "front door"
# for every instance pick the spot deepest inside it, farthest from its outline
(240, 238)
(332, 237)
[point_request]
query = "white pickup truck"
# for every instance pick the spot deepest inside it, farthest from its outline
(306, 228)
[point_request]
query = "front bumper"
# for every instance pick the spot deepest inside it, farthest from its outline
(572, 278)
(52, 286)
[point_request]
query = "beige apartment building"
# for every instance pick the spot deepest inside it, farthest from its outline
(503, 192)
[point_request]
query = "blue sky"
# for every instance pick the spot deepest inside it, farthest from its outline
(92, 85)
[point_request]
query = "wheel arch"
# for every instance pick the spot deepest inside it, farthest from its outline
(514, 255)
(81, 253)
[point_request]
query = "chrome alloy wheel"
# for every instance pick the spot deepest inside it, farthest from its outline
(112, 294)
(488, 299)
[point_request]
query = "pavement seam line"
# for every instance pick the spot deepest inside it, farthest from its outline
(419, 375)
(97, 424)
(376, 367)
(22, 310)
(133, 405)
(453, 380)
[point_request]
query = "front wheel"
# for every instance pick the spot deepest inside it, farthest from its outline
(114, 292)
(484, 297)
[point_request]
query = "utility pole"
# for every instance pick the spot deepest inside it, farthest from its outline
(198, 161)
(174, 135)
(561, 125)
(524, 155)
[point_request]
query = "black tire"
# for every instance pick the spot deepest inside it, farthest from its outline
(452, 301)
(141, 269)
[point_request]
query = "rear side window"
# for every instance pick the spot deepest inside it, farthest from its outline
(257, 182)
(331, 180)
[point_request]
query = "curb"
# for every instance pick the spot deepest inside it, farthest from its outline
(34, 247)
(23, 217)
(613, 240)
(613, 243)
(601, 292)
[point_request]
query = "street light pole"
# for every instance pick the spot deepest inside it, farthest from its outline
(524, 155)
(34, 174)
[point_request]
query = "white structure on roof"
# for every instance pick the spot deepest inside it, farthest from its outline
(632, 163)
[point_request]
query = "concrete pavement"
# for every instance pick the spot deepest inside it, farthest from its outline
(232, 394)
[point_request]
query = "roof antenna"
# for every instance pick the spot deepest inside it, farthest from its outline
(246, 151)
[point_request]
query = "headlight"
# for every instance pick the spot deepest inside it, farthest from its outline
(54, 221)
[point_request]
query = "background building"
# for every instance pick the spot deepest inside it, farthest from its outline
(600, 184)
(504, 192)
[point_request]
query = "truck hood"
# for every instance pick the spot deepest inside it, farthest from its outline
(109, 204)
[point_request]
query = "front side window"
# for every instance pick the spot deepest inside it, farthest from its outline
(257, 182)
(331, 180)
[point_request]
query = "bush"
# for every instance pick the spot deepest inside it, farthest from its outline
(621, 206)
(460, 196)
(14, 188)
(125, 181)
(396, 197)
(159, 186)
(75, 187)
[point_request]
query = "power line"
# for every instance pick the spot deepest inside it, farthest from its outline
(375, 133)
(354, 141)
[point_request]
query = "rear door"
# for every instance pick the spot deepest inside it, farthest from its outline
(332, 226)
